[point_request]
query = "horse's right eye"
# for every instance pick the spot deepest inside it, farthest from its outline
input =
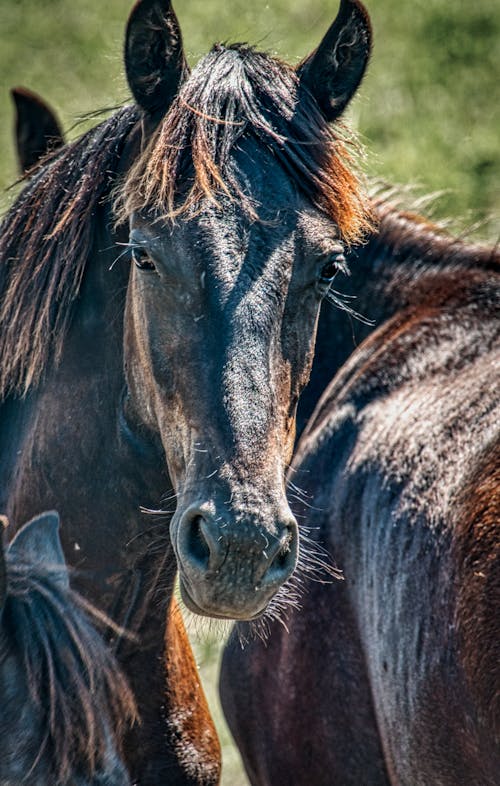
(142, 260)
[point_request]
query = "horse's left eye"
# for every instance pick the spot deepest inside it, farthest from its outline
(331, 267)
(142, 260)
(328, 271)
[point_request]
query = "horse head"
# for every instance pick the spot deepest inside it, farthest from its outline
(239, 205)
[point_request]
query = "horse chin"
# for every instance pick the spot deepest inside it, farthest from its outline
(219, 612)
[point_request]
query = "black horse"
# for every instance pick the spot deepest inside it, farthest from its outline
(65, 703)
(183, 368)
(393, 675)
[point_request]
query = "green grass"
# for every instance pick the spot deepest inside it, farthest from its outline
(428, 112)
(207, 639)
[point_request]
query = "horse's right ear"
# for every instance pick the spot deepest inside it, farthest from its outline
(38, 544)
(333, 72)
(37, 129)
(154, 56)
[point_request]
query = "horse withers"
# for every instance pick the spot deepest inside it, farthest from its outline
(65, 703)
(392, 676)
(165, 343)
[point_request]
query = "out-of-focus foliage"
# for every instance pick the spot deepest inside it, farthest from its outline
(429, 110)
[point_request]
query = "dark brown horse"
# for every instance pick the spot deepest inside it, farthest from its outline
(65, 703)
(164, 344)
(392, 676)
(37, 129)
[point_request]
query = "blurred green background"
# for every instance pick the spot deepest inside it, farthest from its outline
(428, 111)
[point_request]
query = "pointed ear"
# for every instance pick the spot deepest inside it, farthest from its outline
(37, 129)
(37, 543)
(154, 57)
(333, 72)
(4, 522)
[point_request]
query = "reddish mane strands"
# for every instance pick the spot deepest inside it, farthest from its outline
(235, 92)
(478, 556)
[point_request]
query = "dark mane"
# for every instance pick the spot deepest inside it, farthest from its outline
(405, 234)
(421, 264)
(45, 241)
(232, 93)
(72, 677)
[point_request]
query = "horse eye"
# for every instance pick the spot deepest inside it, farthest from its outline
(142, 260)
(334, 263)
(330, 268)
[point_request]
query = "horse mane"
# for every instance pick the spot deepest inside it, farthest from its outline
(47, 235)
(72, 676)
(235, 92)
(478, 548)
(45, 240)
(405, 234)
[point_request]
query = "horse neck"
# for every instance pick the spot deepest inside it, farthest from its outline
(401, 259)
(402, 262)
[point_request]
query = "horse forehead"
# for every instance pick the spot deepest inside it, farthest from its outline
(268, 211)
(260, 173)
(247, 261)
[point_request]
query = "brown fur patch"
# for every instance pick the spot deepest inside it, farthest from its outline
(478, 604)
(195, 737)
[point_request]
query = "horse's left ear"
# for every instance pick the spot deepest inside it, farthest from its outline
(154, 56)
(37, 129)
(37, 543)
(333, 72)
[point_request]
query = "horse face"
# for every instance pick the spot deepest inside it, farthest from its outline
(222, 317)
(221, 312)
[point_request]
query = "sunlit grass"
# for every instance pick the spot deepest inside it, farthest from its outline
(207, 639)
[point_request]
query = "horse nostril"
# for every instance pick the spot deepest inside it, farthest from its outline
(285, 558)
(200, 543)
(281, 559)
(196, 542)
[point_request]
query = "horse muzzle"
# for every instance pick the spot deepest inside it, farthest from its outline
(231, 566)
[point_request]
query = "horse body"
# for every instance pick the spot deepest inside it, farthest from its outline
(65, 703)
(122, 381)
(380, 281)
(53, 453)
(392, 675)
